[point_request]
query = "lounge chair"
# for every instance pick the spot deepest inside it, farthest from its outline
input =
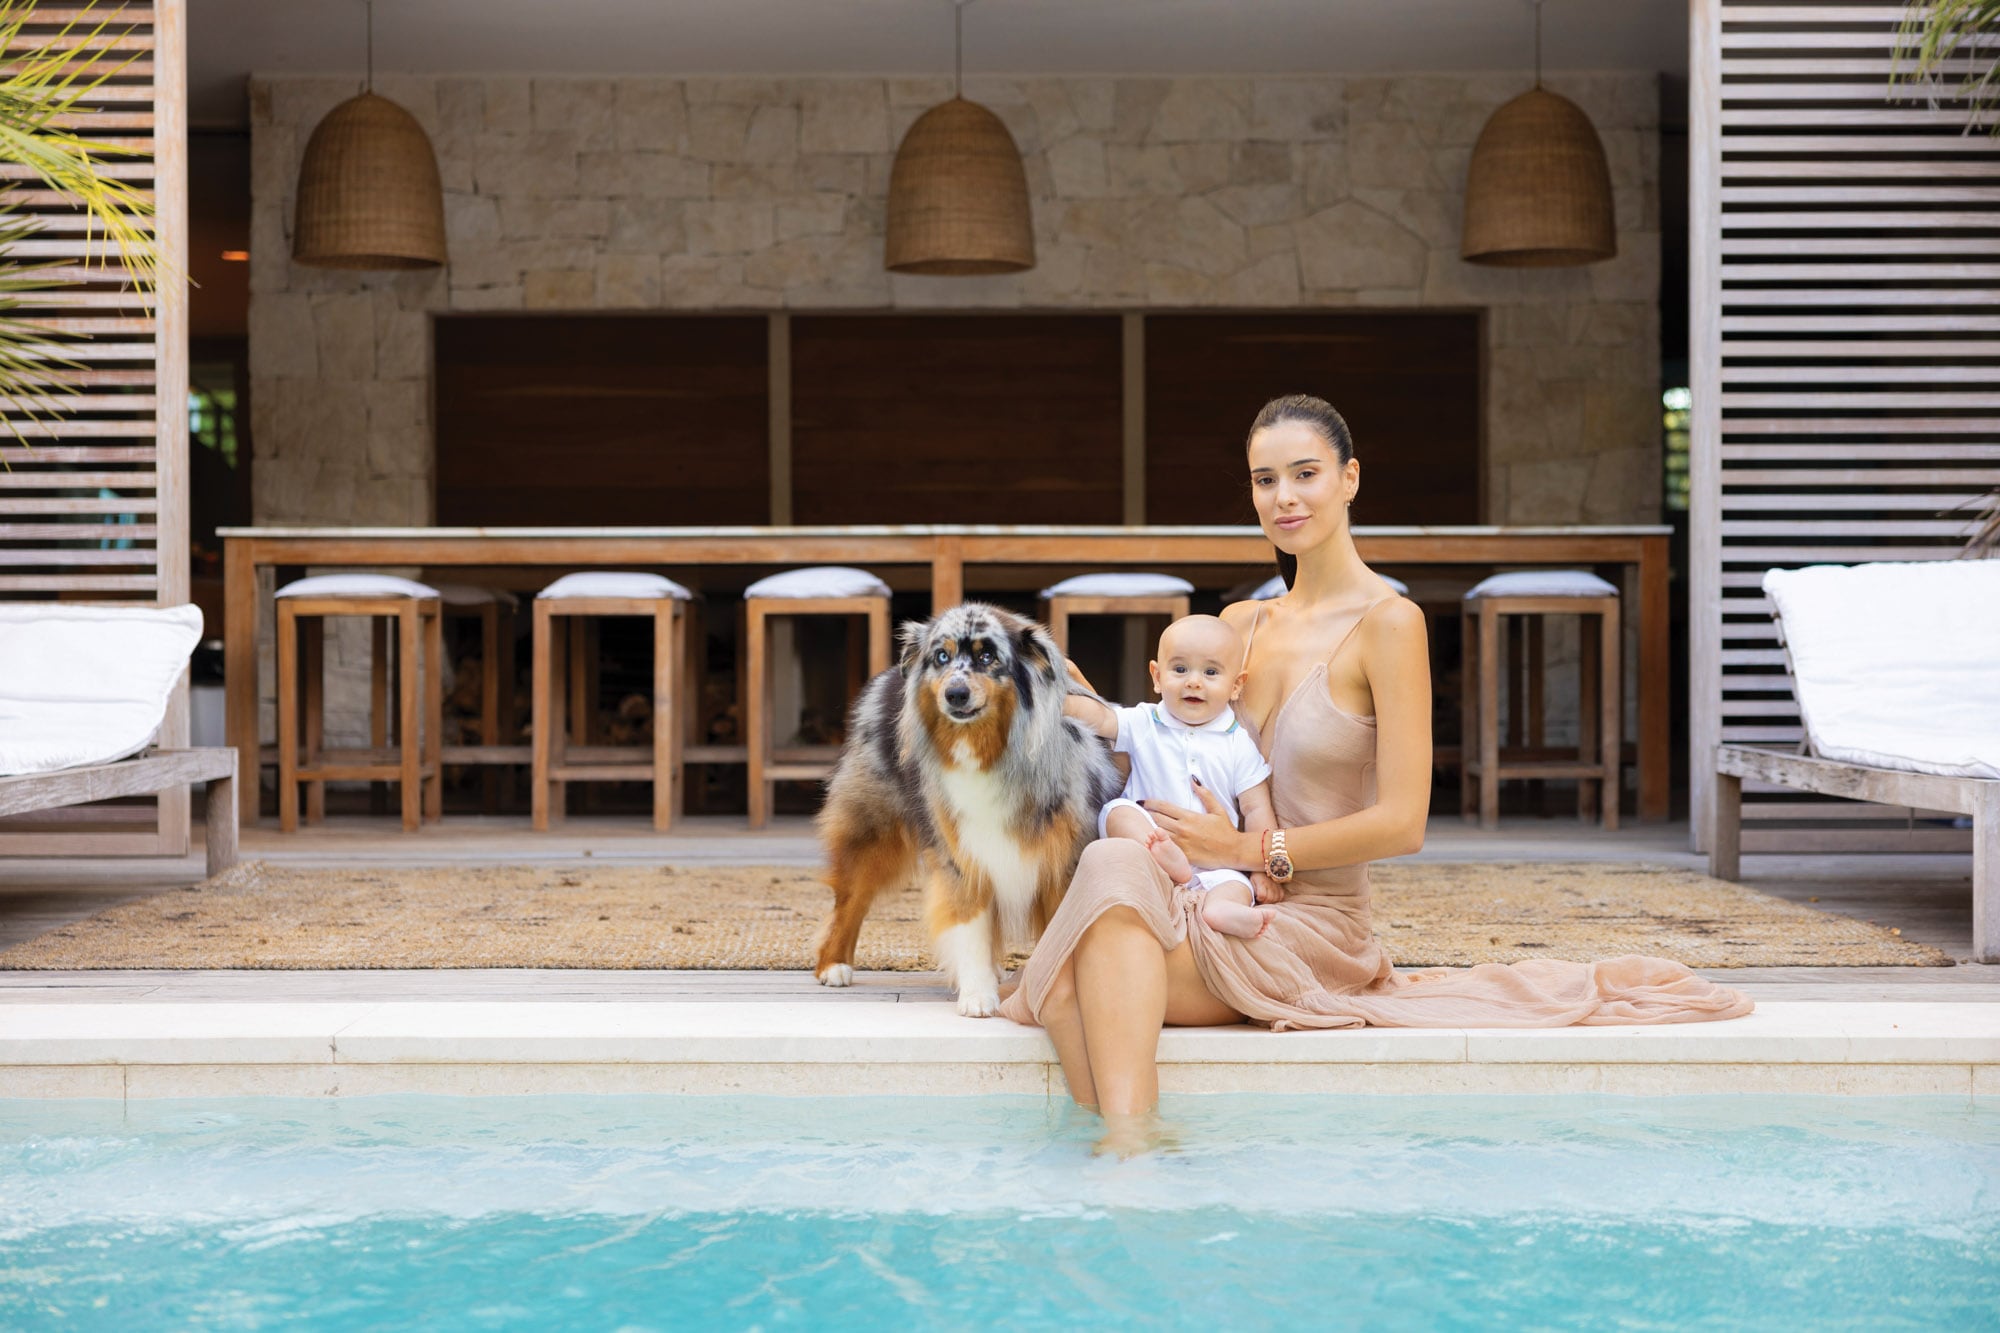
(1897, 672)
(83, 692)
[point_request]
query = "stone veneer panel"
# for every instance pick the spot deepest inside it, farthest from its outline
(758, 194)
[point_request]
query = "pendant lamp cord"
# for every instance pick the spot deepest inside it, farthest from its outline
(1538, 43)
(959, 47)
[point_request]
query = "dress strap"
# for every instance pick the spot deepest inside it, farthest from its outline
(1256, 619)
(1355, 626)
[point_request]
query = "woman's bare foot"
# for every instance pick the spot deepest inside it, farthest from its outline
(1168, 856)
(1129, 1136)
(1238, 919)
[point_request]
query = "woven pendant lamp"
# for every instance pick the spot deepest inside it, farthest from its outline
(369, 195)
(958, 194)
(1538, 193)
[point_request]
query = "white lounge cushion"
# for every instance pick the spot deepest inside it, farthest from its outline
(614, 583)
(1120, 585)
(356, 585)
(819, 581)
(472, 594)
(1275, 587)
(1543, 583)
(1897, 665)
(84, 685)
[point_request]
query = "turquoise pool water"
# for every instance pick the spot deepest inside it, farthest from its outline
(640, 1212)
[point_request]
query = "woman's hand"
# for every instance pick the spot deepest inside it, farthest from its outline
(1208, 837)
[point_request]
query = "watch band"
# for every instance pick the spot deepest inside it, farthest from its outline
(1277, 860)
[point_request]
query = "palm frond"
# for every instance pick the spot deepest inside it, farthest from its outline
(1932, 35)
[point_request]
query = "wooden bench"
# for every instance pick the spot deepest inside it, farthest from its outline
(143, 775)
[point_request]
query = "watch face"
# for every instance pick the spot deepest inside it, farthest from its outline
(1280, 868)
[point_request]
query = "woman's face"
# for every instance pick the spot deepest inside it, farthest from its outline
(1300, 487)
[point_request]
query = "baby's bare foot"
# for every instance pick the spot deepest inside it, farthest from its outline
(1169, 857)
(1238, 919)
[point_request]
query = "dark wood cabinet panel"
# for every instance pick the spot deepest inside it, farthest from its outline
(956, 418)
(1408, 385)
(593, 419)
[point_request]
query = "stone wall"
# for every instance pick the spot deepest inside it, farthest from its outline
(1279, 193)
(657, 194)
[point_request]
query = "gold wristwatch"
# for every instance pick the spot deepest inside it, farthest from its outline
(1277, 861)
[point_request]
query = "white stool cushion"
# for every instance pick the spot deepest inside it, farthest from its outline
(1275, 587)
(819, 581)
(1543, 583)
(83, 685)
(1121, 585)
(356, 585)
(1894, 664)
(471, 594)
(612, 583)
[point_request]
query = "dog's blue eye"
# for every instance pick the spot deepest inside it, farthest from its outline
(941, 657)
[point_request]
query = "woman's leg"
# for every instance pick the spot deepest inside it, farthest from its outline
(1127, 988)
(1063, 1021)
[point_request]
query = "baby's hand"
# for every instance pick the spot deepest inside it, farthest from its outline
(1264, 889)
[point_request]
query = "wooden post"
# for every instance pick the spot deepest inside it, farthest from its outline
(1986, 873)
(170, 315)
(239, 670)
(1725, 843)
(1704, 431)
(778, 359)
(1134, 401)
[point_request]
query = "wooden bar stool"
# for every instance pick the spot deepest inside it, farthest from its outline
(303, 609)
(499, 729)
(1531, 595)
(561, 611)
(823, 590)
(1133, 596)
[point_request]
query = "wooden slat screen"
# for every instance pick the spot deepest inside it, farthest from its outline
(94, 505)
(1845, 294)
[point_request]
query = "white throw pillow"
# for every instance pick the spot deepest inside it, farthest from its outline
(82, 684)
(1897, 665)
(819, 581)
(1543, 583)
(614, 583)
(1121, 585)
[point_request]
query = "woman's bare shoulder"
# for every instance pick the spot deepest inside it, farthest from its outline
(1238, 615)
(1396, 625)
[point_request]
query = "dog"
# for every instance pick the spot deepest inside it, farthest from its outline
(960, 764)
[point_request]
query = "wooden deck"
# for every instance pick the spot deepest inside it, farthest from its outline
(1927, 896)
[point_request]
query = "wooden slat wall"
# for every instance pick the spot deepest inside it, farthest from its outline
(96, 507)
(1845, 301)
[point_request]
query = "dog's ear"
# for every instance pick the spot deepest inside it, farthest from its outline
(910, 639)
(1035, 656)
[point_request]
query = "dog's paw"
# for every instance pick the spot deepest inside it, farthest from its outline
(984, 1004)
(840, 974)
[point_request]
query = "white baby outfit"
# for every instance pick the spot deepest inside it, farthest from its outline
(1165, 751)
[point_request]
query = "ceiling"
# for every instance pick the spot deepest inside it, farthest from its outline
(230, 39)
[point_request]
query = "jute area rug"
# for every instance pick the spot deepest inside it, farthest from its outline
(764, 917)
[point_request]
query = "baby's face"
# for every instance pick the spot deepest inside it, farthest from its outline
(1199, 670)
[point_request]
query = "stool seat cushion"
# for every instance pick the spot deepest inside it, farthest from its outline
(1275, 587)
(356, 585)
(1120, 585)
(819, 581)
(82, 685)
(1543, 583)
(471, 594)
(614, 583)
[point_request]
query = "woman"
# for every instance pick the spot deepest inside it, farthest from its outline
(1339, 693)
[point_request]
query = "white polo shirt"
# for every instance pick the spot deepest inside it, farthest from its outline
(1166, 750)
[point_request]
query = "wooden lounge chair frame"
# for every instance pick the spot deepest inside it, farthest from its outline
(1977, 797)
(143, 775)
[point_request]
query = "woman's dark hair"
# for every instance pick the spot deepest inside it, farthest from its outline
(1326, 423)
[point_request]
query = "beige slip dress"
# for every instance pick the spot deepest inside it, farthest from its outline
(1319, 964)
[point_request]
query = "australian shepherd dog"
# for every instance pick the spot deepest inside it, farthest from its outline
(960, 766)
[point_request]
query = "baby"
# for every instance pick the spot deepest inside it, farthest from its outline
(1191, 736)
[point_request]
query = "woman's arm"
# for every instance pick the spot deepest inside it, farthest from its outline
(1395, 657)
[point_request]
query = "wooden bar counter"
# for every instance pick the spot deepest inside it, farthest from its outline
(1638, 552)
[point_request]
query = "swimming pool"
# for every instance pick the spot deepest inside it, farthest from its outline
(660, 1212)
